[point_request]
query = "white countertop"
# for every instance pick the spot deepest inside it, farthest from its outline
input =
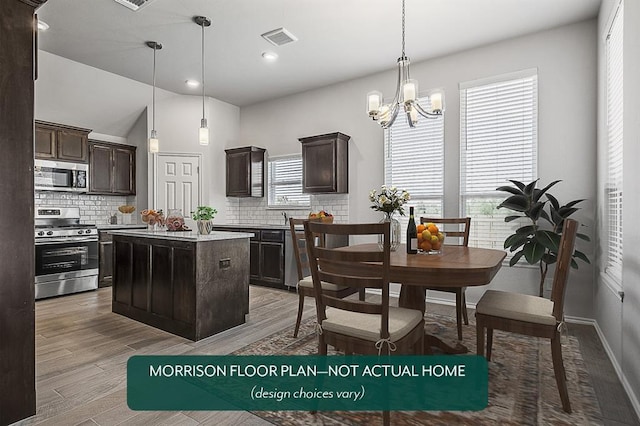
(182, 235)
(122, 226)
(249, 226)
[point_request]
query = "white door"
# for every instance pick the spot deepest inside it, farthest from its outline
(177, 182)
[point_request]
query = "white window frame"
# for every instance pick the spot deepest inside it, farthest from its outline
(419, 157)
(613, 188)
(492, 223)
(271, 204)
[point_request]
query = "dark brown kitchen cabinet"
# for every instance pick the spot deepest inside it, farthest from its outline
(105, 254)
(60, 142)
(112, 168)
(245, 172)
(325, 164)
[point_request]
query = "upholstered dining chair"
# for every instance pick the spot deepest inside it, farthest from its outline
(532, 315)
(353, 326)
(305, 284)
(456, 229)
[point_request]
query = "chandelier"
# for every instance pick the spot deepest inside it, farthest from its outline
(406, 95)
(154, 144)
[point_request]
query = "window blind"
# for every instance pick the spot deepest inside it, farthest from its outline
(414, 161)
(613, 267)
(285, 182)
(498, 136)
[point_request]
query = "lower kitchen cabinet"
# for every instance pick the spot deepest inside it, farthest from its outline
(105, 255)
(267, 256)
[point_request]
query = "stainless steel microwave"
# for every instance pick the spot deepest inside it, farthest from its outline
(60, 176)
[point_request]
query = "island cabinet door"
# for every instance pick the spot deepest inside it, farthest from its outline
(272, 262)
(122, 272)
(254, 255)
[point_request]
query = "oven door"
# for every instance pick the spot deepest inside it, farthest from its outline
(66, 257)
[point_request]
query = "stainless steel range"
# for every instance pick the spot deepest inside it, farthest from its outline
(66, 252)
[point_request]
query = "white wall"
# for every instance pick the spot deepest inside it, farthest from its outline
(619, 320)
(566, 62)
(177, 124)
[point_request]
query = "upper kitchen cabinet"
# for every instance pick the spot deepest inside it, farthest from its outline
(325, 164)
(60, 142)
(245, 172)
(112, 168)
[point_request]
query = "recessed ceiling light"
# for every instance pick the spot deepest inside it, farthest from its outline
(42, 26)
(192, 83)
(270, 56)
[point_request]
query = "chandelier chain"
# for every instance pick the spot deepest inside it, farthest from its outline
(403, 55)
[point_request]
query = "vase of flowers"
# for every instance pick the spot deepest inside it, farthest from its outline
(204, 218)
(389, 201)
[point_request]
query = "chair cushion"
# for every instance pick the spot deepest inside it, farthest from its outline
(308, 283)
(516, 306)
(367, 326)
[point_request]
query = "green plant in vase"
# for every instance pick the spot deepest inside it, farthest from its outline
(204, 218)
(538, 241)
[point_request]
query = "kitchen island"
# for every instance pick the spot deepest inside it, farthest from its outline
(181, 282)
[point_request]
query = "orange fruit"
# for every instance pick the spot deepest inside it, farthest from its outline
(420, 228)
(441, 236)
(434, 239)
(433, 229)
(436, 246)
(426, 235)
(419, 237)
(425, 245)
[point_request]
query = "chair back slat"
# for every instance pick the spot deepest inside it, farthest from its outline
(352, 305)
(456, 227)
(563, 264)
(300, 245)
(363, 269)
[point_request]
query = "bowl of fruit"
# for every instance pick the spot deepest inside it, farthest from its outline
(430, 238)
(322, 216)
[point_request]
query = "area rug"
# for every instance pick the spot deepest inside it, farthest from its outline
(522, 387)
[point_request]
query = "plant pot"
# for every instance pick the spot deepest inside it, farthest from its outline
(204, 227)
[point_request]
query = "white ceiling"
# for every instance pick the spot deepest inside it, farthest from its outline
(337, 39)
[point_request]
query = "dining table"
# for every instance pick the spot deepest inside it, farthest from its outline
(454, 266)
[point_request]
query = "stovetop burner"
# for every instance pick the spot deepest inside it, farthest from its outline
(60, 222)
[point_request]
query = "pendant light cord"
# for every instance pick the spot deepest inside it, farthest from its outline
(155, 47)
(202, 25)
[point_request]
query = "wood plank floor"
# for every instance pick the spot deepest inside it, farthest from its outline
(82, 349)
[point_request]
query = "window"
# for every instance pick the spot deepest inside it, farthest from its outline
(613, 185)
(414, 161)
(285, 182)
(498, 137)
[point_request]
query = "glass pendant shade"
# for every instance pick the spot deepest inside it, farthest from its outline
(154, 143)
(203, 133)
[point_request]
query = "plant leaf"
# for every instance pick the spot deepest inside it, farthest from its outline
(510, 189)
(565, 212)
(554, 201)
(512, 218)
(573, 203)
(533, 252)
(580, 255)
(539, 192)
(528, 190)
(583, 237)
(548, 239)
(526, 230)
(536, 210)
(545, 216)
(515, 241)
(516, 257)
(549, 258)
(574, 264)
(515, 202)
(518, 184)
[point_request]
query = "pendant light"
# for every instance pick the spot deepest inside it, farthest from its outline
(203, 134)
(154, 144)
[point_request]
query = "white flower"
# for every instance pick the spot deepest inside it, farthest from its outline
(384, 200)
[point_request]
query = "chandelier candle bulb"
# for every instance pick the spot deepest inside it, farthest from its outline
(436, 102)
(374, 99)
(409, 90)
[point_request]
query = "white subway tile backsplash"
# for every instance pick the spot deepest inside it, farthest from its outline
(93, 208)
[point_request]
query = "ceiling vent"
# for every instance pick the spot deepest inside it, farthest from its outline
(134, 5)
(279, 37)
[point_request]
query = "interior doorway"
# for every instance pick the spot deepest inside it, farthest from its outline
(177, 182)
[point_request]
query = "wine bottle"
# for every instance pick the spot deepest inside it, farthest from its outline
(412, 235)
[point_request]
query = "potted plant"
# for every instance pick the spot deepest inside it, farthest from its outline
(204, 218)
(538, 241)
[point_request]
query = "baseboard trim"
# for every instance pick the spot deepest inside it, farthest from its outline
(635, 403)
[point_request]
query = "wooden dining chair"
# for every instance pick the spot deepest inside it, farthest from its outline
(305, 283)
(532, 315)
(353, 326)
(456, 229)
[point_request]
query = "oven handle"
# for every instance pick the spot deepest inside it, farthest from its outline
(65, 240)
